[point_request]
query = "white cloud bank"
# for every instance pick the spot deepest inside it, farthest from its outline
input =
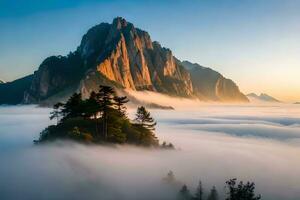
(216, 142)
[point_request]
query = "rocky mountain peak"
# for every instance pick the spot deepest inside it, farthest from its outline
(128, 56)
(119, 23)
(121, 55)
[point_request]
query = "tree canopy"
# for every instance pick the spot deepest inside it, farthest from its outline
(100, 118)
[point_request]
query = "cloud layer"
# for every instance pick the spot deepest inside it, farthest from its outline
(215, 143)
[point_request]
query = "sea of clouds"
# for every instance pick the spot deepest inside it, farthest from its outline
(214, 142)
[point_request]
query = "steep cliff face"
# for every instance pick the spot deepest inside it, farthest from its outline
(126, 55)
(211, 85)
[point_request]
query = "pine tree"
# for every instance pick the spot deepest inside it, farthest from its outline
(184, 193)
(144, 118)
(73, 107)
(105, 98)
(199, 192)
(146, 126)
(92, 109)
(119, 102)
(213, 194)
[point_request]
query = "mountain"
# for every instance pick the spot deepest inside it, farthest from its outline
(262, 97)
(13, 92)
(117, 54)
(1, 82)
(123, 56)
(211, 85)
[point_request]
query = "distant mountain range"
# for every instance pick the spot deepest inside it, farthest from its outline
(262, 97)
(122, 56)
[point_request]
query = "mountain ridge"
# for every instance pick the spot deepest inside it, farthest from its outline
(211, 85)
(13, 92)
(122, 56)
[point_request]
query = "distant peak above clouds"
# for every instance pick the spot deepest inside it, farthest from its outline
(263, 97)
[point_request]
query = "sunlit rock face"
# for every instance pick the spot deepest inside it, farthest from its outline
(127, 56)
(120, 55)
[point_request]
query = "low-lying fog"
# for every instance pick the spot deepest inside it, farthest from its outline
(215, 143)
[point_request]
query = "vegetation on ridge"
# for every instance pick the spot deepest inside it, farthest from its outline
(101, 118)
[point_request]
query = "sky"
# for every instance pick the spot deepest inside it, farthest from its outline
(255, 43)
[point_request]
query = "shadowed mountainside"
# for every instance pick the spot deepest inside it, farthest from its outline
(211, 85)
(13, 92)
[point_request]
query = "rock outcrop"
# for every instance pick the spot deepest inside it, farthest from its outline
(123, 56)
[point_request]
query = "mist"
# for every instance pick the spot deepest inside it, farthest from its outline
(214, 143)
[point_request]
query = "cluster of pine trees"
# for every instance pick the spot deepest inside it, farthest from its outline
(101, 118)
(234, 190)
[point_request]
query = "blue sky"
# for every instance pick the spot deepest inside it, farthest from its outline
(254, 42)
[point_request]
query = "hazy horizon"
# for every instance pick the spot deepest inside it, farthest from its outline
(254, 43)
